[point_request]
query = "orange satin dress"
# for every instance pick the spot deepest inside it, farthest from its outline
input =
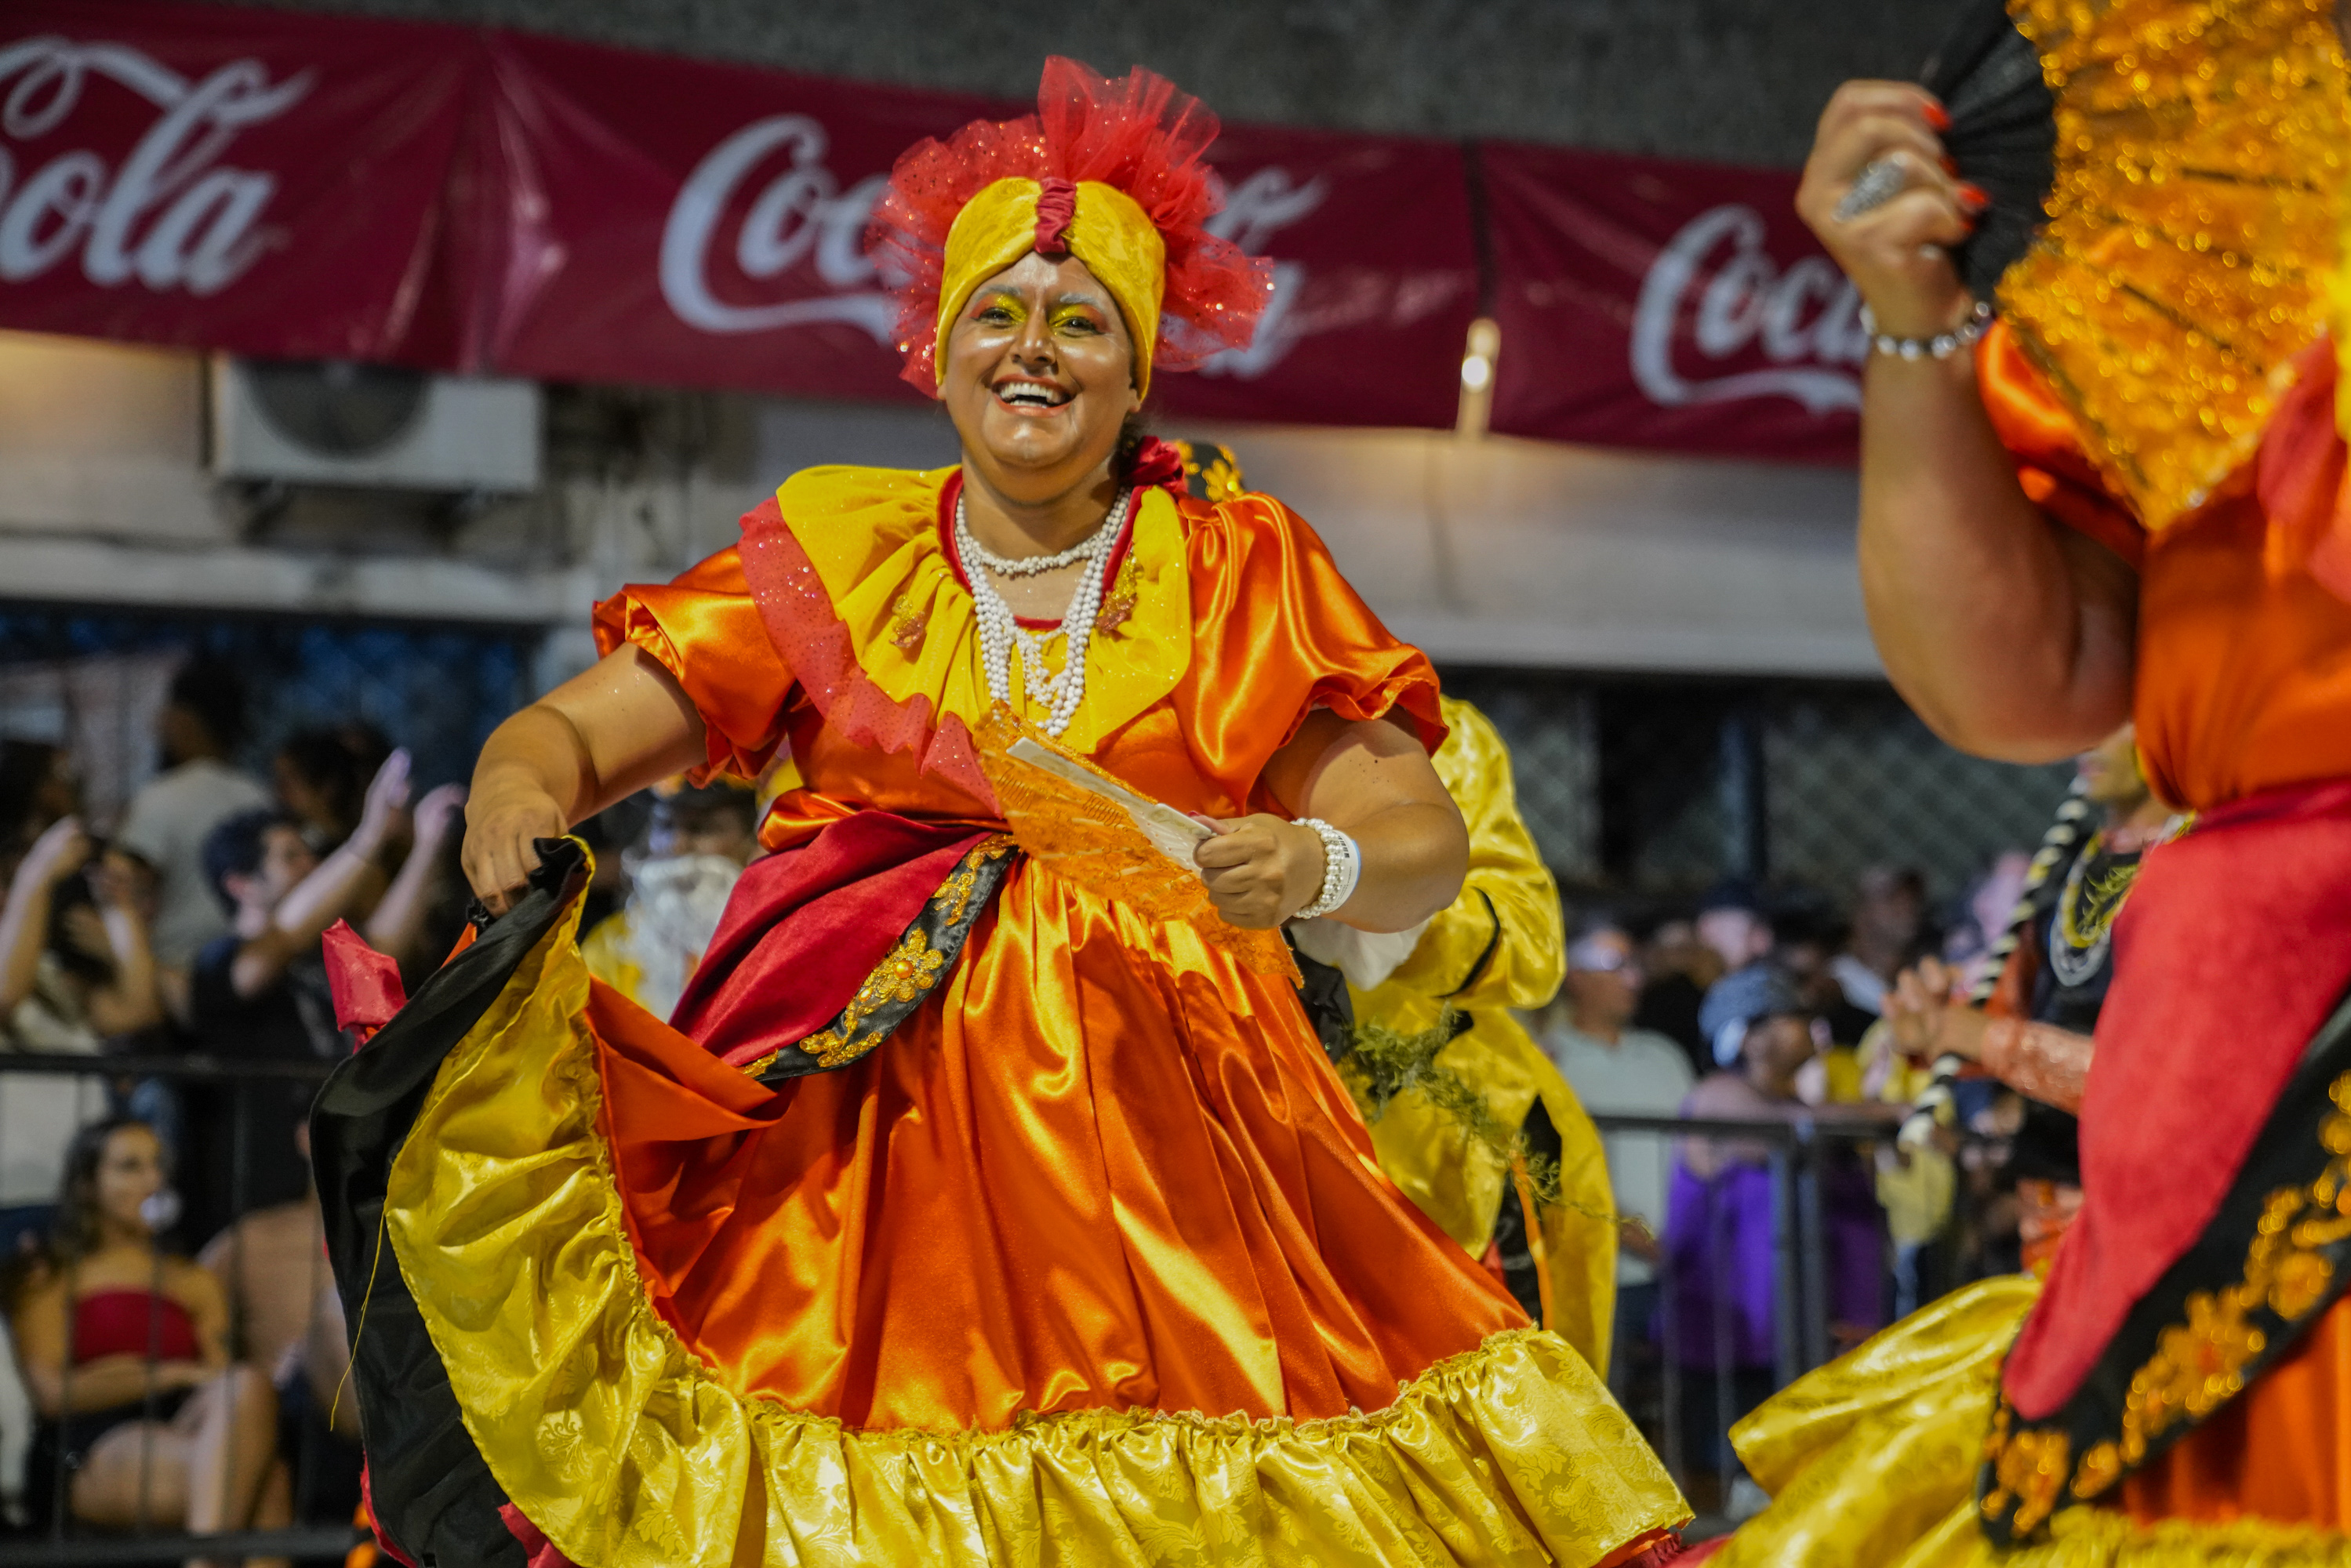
(1131, 1177)
(2243, 685)
(1091, 1259)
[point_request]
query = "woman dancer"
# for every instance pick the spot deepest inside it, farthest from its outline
(968, 1214)
(2127, 501)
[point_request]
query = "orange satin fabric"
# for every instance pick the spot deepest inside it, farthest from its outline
(2282, 1450)
(1276, 631)
(2244, 658)
(1105, 1166)
(1112, 1169)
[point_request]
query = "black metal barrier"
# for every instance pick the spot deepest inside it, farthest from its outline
(1688, 1362)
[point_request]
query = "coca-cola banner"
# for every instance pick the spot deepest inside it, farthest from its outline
(228, 179)
(673, 221)
(1375, 280)
(1644, 302)
(300, 187)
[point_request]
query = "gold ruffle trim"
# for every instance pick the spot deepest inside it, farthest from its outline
(1872, 1460)
(630, 1452)
(2193, 226)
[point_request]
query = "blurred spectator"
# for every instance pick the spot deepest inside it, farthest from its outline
(1732, 922)
(321, 785)
(272, 1268)
(1889, 914)
(201, 723)
(1615, 1069)
(186, 1440)
(261, 992)
(1679, 968)
(1986, 911)
(696, 847)
(75, 971)
(1720, 1216)
(1807, 942)
(36, 787)
(611, 835)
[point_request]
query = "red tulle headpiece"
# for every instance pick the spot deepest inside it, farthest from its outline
(1139, 135)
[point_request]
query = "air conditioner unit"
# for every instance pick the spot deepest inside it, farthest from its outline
(378, 426)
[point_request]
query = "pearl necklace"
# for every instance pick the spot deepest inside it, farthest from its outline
(1000, 631)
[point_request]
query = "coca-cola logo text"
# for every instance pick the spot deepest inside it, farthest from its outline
(171, 217)
(799, 215)
(1717, 271)
(1255, 210)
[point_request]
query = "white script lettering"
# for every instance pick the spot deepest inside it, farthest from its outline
(799, 215)
(169, 217)
(1745, 300)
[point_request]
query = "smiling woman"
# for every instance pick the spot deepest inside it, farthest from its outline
(988, 1198)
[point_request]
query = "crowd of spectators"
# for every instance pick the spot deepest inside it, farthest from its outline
(1767, 1008)
(176, 1341)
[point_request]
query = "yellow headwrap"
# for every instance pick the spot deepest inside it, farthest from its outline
(1107, 230)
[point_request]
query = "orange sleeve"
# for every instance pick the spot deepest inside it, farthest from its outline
(1279, 632)
(2041, 434)
(705, 630)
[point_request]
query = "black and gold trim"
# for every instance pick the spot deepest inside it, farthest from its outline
(2276, 1255)
(915, 965)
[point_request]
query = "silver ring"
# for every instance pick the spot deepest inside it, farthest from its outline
(1880, 180)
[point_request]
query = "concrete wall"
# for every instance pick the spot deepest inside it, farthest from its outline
(1739, 80)
(1492, 552)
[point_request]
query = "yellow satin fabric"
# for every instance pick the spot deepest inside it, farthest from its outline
(1455, 1180)
(1872, 1458)
(1110, 234)
(632, 1445)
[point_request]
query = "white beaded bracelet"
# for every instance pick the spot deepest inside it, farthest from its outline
(1941, 345)
(1343, 867)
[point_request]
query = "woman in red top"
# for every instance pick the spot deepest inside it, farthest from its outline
(141, 1408)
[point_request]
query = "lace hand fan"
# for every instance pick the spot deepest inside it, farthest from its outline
(1083, 825)
(2174, 246)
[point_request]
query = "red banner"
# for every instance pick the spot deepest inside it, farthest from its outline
(671, 220)
(229, 179)
(1375, 280)
(291, 186)
(687, 223)
(1644, 302)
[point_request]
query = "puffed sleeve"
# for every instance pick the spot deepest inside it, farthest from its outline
(1503, 942)
(1279, 632)
(705, 630)
(2041, 434)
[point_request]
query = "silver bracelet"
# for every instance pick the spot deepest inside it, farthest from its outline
(1941, 345)
(1342, 866)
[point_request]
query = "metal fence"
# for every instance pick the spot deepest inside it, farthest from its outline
(45, 1523)
(1697, 1364)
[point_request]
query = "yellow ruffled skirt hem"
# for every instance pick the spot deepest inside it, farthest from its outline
(1871, 1462)
(627, 1450)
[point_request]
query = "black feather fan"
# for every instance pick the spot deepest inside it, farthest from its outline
(2003, 133)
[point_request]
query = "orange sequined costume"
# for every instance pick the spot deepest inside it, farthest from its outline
(1003, 1220)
